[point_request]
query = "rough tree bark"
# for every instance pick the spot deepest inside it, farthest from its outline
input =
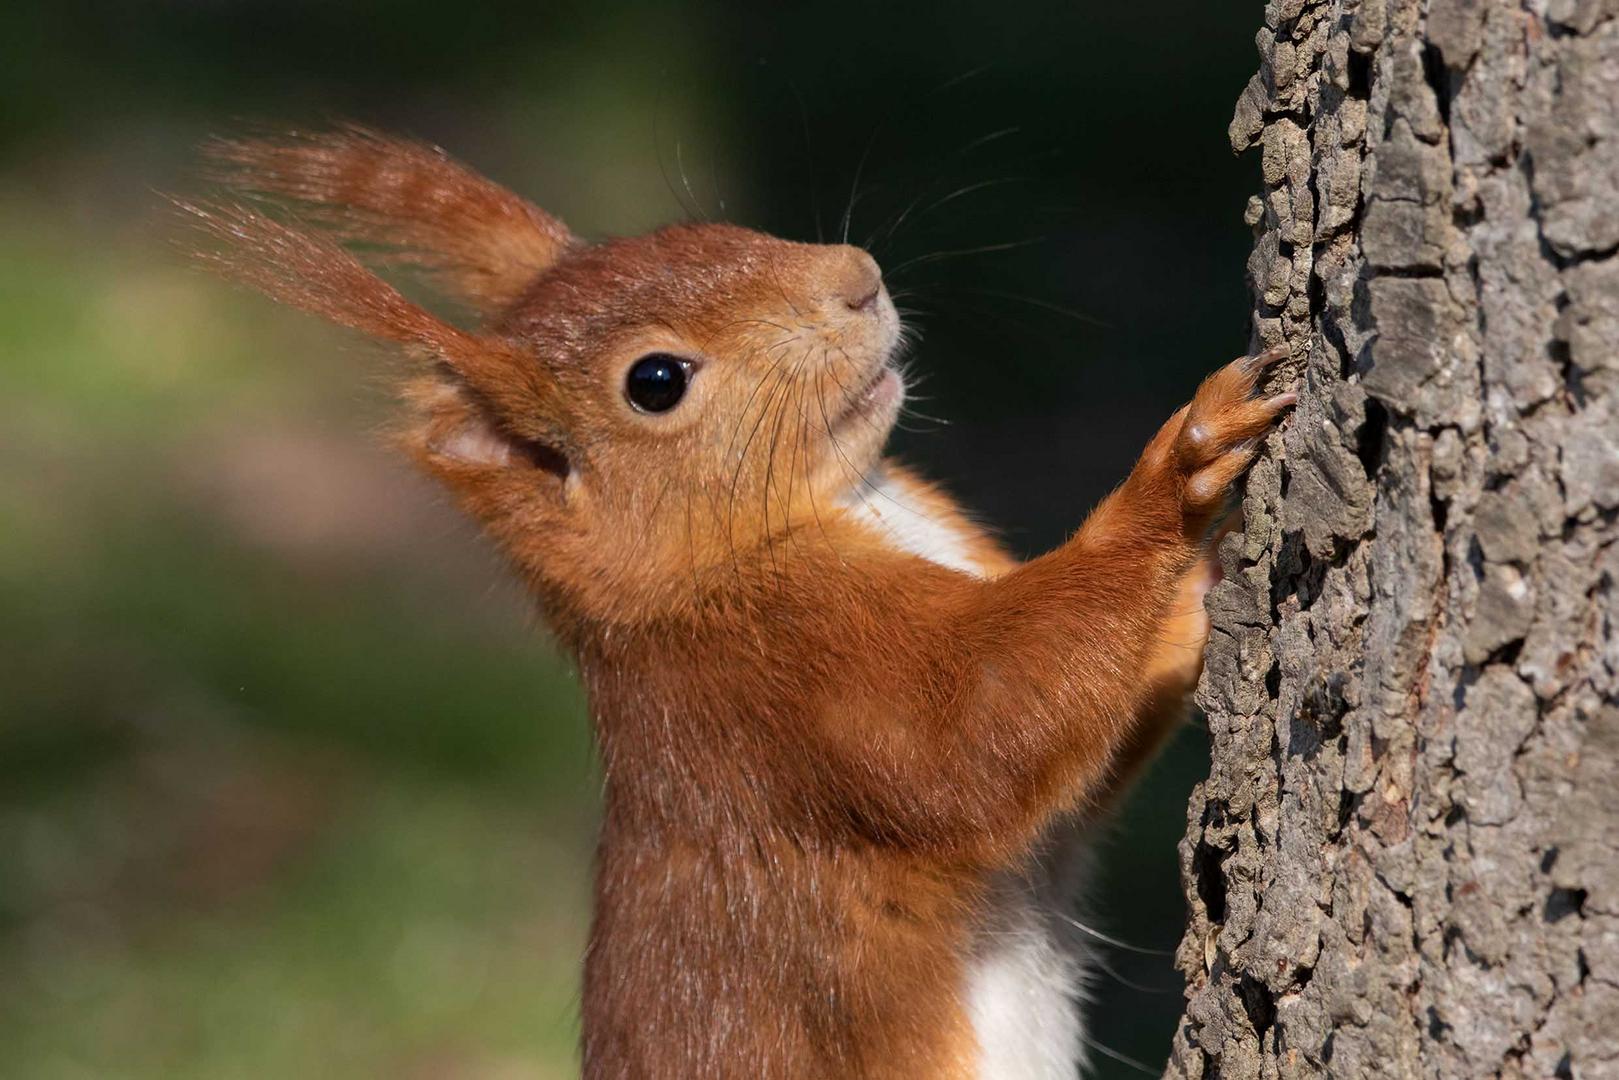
(1405, 860)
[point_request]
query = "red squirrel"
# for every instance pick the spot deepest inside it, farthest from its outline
(851, 748)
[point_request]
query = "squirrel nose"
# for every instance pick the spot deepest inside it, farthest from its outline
(858, 280)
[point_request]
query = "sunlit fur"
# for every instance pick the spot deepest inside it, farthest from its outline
(823, 742)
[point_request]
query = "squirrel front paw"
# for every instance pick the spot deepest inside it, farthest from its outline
(1209, 443)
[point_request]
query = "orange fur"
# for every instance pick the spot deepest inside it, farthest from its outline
(412, 204)
(817, 746)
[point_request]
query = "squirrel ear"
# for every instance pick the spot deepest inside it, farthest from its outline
(454, 437)
(312, 272)
(408, 204)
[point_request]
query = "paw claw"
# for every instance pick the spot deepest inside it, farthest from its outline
(1221, 432)
(1254, 365)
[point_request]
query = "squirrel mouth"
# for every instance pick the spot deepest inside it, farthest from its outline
(881, 389)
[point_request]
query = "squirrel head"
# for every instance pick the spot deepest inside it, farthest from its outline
(629, 419)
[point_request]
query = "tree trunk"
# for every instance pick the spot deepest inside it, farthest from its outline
(1405, 860)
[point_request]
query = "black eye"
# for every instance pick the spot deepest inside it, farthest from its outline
(656, 382)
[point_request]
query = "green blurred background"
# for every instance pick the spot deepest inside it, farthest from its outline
(290, 783)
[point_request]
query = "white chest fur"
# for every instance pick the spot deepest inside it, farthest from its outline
(885, 505)
(1025, 982)
(1025, 978)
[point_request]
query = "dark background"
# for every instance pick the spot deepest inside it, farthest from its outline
(289, 783)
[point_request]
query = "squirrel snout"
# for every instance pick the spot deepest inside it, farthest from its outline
(855, 279)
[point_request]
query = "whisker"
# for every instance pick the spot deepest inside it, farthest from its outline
(691, 556)
(680, 166)
(854, 188)
(832, 437)
(860, 167)
(1098, 961)
(985, 140)
(788, 381)
(957, 253)
(970, 189)
(651, 521)
(737, 322)
(764, 412)
(757, 386)
(736, 478)
(1122, 1059)
(844, 386)
(809, 158)
(957, 80)
(1113, 941)
(1077, 316)
(859, 476)
(803, 430)
(889, 233)
(657, 151)
(714, 178)
(798, 445)
(775, 273)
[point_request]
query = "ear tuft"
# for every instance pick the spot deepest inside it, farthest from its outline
(310, 271)
(407, 203)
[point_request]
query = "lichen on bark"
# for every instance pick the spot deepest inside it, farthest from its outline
(1404, 861)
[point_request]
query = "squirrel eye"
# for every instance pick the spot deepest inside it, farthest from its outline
(656, 382)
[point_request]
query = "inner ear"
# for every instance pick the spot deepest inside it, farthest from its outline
(542, 456)
(472, 440)
(474, 437)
